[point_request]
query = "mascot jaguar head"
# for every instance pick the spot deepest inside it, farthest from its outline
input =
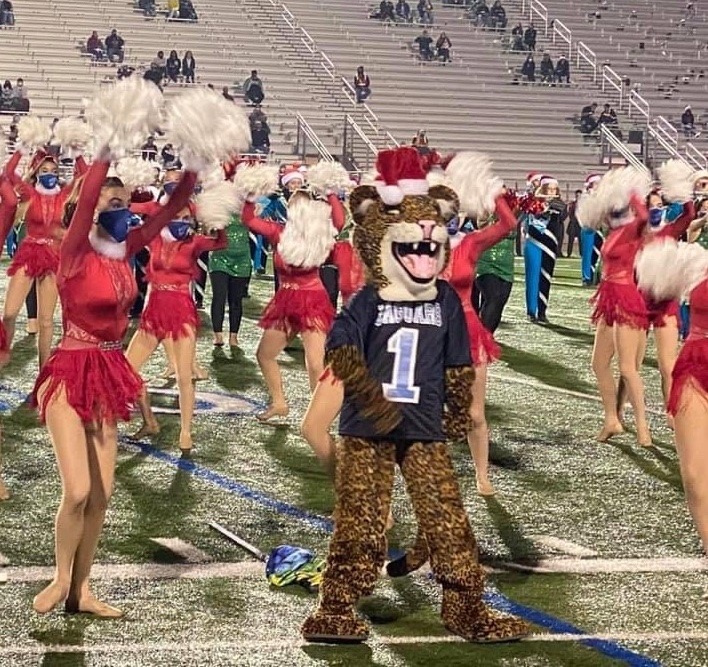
(401, 227)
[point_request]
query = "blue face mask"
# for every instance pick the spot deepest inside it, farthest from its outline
(179, 229)
(674, 211)
(48, 181)
(656, 216)
(117, 223)
(453, 226)
(170, 187)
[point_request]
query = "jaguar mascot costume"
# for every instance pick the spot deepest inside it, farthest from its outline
(399, 349)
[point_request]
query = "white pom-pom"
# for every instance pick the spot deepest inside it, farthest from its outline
(254, 181)
(369, 177)
(72, 134)
(617, 186)
(121, 116)
(436, 176)
(309, 235)
(33, 133)
(216, 205)
(212, 176)
(470, 175)
(391, 195)
(203, 126)
(668, 270)
(327, 177)
(136, 172)
(676, 181)
(589, 211)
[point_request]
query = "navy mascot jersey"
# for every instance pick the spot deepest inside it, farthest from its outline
(407, 346)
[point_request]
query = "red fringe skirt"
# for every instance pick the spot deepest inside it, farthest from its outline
(483, 348)
(660, 312)
(169, 314)
(4, 346)
(100, 385)
(616, 303)
(691, 365)
(296, 310)
(38, 257)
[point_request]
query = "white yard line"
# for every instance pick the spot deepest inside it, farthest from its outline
(185, 550)
(255, 645)
(611, 565)
(566, 546)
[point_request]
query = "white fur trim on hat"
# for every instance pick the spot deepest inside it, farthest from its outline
(291, 176)
(391, 195)
(414, 186)
(698, 175)
(549, 180)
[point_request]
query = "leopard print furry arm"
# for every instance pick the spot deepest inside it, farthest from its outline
(458, 399)
(349, 366)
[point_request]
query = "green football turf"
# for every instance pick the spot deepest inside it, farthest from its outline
(552, 479)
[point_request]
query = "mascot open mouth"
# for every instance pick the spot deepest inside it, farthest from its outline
(419, 260)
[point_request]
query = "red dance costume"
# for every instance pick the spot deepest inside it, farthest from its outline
(660, 312)
(38, 254)
(301, 302)
(8, 208)
(461, 272)
(96, 293)
(618, 299)
(692, 362)
(170, 310)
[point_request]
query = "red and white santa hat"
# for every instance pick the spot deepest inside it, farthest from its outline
(400, 174)
(533, 176)
(291, 173)
(38, 159)
(592, 180)
(548, 180)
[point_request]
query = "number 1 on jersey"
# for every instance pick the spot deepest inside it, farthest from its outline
(404, 345)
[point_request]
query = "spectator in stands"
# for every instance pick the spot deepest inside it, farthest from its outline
(187, 11)
(168, 155)
(257, 115)
(607, 115)
(21, 96)
(7, 96)
(517, 38)
(425, 11)
(497, 17)
(172, 9)
(424, 42)
(94, 46)
(588, 122)
(188, 67)
(173, 66)
(227, 95)
(403, 11)
(688, 123)
(548, 71)
(386, 12)
(253, 92)
(7, 13)
(260, 138)
(530, 38)
(12, 131)
(563, 70)
(573, 225)
(124, 71)
(148, 7)
(159, 64)
(115, 47)
(149, 150)
(362, 85)
(442, 47)
(481, 13)
(528, 69)
(420, 143)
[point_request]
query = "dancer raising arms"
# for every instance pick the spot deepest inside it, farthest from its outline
(301, 305)
(8, 207)
(470, 175)
(620, 313)
(37, 257)
(170, 315)
(667, 271)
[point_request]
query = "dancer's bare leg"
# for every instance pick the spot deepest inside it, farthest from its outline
(478, 435)
(184, 350)
(628, 343)
(17, 290)
(4, 493)
(140, 349)
(272, 343)
(667, 352)
(47, 296)
(313, 343)
(692, 446)
(71, 449)
(324, 407)
(602, 353)
(102, 441)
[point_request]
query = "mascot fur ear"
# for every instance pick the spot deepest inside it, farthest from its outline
(361, 199)
(446, 199)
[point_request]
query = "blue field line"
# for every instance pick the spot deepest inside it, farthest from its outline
(494, 598)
